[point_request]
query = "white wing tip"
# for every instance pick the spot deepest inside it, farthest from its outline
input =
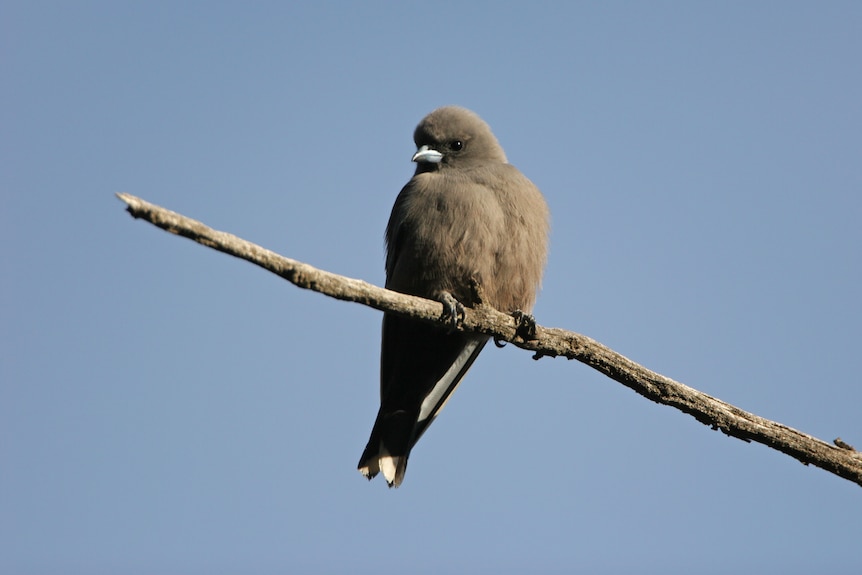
(389, 467)
(386, 463)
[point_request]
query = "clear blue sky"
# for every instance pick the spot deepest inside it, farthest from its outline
(168, 409)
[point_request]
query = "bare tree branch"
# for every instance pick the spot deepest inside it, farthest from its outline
(840, 458)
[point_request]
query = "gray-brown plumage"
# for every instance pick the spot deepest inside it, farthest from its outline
(466, 213)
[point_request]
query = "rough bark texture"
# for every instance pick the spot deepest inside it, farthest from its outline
(840, 458)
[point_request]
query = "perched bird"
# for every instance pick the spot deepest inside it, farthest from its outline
(465, 215)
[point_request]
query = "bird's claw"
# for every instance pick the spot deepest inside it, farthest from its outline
(526, 328)
(453, 311)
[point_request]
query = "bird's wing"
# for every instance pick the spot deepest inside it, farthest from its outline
(421, 365)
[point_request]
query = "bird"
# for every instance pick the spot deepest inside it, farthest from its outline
(466, 217)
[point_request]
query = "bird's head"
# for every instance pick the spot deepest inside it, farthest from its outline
(454, 137)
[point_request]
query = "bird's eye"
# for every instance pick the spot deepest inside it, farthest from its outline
(457, 145)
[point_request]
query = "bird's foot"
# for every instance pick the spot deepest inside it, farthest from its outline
(526, 328)
(453, 310)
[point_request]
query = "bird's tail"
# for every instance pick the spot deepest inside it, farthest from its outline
(389, 456)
